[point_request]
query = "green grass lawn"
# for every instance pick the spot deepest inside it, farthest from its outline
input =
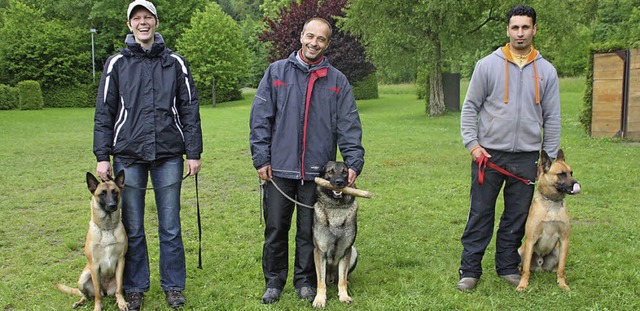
(408, 237)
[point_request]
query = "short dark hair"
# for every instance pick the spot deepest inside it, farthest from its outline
(522, 10)
(320, 19)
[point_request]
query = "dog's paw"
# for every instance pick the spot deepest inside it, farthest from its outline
(345, 299)
(319, 302)
(564, 285)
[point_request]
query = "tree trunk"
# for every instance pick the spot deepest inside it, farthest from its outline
(213, 92)
(436, 102)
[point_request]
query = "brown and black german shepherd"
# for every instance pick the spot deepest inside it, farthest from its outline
(334, 233)
(547, 229)
(105, 246)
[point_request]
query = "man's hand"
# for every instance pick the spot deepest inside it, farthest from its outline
(193, 166)
(265, 172)
(104, 171)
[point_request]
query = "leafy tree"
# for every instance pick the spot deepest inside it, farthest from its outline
(345, 52)
(271, 8)
(257, 62)
(36, 48)
(216, 52)
(241, 10)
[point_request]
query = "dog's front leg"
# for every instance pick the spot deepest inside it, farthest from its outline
(321, 272)
(343, 272)
(95, 279)
(562, 256)
(526, 264)
(122, 303)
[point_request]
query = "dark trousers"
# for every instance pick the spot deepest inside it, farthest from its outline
(278, 212)
(480, 222)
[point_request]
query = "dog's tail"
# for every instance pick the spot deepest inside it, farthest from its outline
(69, 290)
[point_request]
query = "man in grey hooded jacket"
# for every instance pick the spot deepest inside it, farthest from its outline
(511, 111)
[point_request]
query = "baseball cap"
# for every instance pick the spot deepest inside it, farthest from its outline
(146, 4)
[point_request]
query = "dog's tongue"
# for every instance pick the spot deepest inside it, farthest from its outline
(576, 188)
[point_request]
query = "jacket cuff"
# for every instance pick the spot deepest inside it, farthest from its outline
(194, 156)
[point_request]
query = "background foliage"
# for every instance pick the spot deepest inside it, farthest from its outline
(345, 53)
(217, 55)
(49, 41)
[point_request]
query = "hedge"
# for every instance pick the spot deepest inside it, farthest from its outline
(30, 95)
(8, 97)
(79, 96)
(366, 88)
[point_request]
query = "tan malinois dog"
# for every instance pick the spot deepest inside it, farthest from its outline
(105, 246)
(547, 229)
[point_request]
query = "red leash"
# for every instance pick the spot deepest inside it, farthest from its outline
(483, 161)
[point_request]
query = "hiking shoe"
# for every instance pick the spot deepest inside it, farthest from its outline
(134, 299)
(466, 284)
(175, 299)
(513, 279)
(306, 292)
(271, 295)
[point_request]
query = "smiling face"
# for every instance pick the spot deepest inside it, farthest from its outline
(521, 31)
(315, 38)
(143, 25)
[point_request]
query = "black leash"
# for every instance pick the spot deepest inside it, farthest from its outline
(197, 210)
(199, 226)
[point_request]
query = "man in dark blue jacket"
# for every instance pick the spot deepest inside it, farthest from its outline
(303, 111)
(147, 117)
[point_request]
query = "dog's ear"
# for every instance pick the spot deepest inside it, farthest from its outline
(560, 156)
(545, 161)
(92, 182)
(120, 179)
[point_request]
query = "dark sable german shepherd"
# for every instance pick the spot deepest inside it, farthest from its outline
(334, 232)
(105, 246)
(547, 229)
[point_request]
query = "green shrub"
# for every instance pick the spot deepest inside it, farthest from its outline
(8, 97)
(30, 95)
(366, 88)
(78, 96)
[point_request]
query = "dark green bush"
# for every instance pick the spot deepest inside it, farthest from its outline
(78, 96)
(8, 97)
(366, 88)
(30, 95)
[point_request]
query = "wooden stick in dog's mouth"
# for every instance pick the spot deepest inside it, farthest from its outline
(347, 190)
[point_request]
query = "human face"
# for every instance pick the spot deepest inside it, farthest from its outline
(521, 31)
(315, 40)
(143, 26)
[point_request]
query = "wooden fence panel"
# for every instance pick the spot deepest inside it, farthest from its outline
(606, 113)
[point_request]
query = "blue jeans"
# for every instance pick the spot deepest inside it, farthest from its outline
(165, 177)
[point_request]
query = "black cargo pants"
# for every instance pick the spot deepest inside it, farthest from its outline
(278, 212)
(480, 222)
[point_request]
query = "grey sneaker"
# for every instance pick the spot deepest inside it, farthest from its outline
(175, 299)
(306, 292)
(513, 279)
(271, 295)
(134, 299)
(466, 284)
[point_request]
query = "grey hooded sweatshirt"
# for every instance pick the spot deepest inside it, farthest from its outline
(512, 109)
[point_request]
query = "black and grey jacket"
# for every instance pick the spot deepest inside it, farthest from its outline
(300, 116)
(147, 106)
